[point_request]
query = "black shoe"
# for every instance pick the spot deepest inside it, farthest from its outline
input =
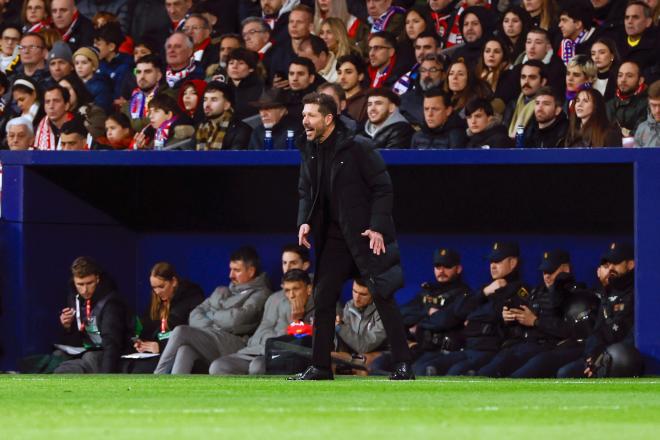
(402, 371)
(313, 373)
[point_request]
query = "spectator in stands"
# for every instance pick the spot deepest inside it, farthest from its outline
(580, 74)
(181, 65)
(442, 127)
(35, 15)
(575, 25)
(60, 61)
(56, 105)
(112, 63)
(9, 53)
(484, 129)
(172, 300)
(220, 325)
(256, 34)
(543, 13)
(178, 11)
(81, 104)
(76, 29)
(302, 80)
(220, 128)
(477, 24)
(73, 136)
(25, 95)
(333, 32)
(244, 81)
(96, 316)
(416, 24)
(431, 75)
(606, 58)
(299, 29)
(33, 55)
(462, 85)
(548, 127)
(493, 67)
(589, 126)
(118, 133)
(513, 26)
(275, 14)
(325, 62)
(336, 92)
(538, 47)
(163, 115)
(291, 303)
(120, 9)
(20, 134)
(350, 76)
(191, 95)
(426, 43)
(386, 127)
(218, 71)
(640, 41)
(385, 17)
(648, 132)
(272, 107)
(532, 78)
(354, 32)
(382, 60)
(86, 60)
(150, 19)
(629, 106)
(148, 74)
(198, 28)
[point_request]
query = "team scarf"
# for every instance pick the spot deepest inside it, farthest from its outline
(66, 35)
(178, 25)
(621, 97)
(441, 23)
(402, 85)
(139, 102)
(163, 133)
(211, 134)
(40, 25)
(352, 26)
(263, 50)
(378, 78)
(381, 22)
(455, 36)
(567, 46)
(45, 137)
(199, 51)
(172, 77)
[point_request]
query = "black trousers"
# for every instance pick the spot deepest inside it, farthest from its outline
(334, 267)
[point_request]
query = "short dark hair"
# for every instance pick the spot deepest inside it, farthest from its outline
(302, 61)
(317, 44)
(387, 36)
(37, 35)
(164, 102)
(248, 255)
(360, 282)
(549, 91)
(302, 251)
(152, 59)
(335, 88)
(201, 17)
(84, 267)
(578, 11)
(236, 37)
(541, 31)
(430, 34)
(297, 275)
(479, 104)
(223, 88)
(111, 33)
(353, 58)
(246, 55)
(648, 12)
(385, 93)
(438, 93)
(64, 91)
(327, 105)
(74, 126)
(539, 65)
(121, 119)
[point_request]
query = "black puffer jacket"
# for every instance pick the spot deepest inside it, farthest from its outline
(552, 136)
(450, 135)
(494, 136)
(395, 132)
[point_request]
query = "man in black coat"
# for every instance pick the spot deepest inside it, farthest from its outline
(442, 127)
(484, 129)
(95, 318)
(549, 125)
(76, 29)
(386, 125)
(346, 205)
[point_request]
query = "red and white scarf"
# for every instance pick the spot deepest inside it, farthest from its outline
(43, 24)
(263, 50)
(139, 102)
(378, 78)
(352, 26)
(66, 35)
(172, 77)
(199, 50)
(45, 137)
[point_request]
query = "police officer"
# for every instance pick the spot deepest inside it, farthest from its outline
(535, 324)
(484, 325)
(616, 313)
(434, 317)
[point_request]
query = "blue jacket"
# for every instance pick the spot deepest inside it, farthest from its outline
(116, 70)
(101, 89)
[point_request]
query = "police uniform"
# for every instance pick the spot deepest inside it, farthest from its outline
(484, 328)
(523, 342)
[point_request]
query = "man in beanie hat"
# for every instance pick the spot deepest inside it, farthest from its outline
(245, 83)
(86, 61)
(60, 61)
(272, 107)
(220, 129)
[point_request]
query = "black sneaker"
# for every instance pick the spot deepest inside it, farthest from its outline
(313, 373)
(402, 371)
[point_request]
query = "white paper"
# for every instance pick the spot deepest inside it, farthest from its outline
(140, 355)
(70, 350)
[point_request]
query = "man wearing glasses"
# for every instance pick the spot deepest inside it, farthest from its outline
(11, 35)
(256, 34)
(33, 52)
(382, 59)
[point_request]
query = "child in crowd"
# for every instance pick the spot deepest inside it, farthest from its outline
(86, 63)
(484, 129)
(118, 133)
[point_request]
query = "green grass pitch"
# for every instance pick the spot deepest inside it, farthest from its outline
(145, 407)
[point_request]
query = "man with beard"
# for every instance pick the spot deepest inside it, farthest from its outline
(476, 23)
(274, 119)
(548, 127)
(350, 75)
(426, 43)
(538, 47)
(520, 112)
(442, 127)
(386, 127)
(382, 58)
(629, 106)
(353, 231)
(431, 75)
(220, 130)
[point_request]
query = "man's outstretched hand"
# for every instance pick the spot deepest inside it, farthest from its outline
(376, 242)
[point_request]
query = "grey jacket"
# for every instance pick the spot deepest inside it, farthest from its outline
(362, 330)
(236, 309)
(276, 319)
(648, 133)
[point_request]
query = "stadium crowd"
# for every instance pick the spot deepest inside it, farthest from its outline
(229, 74)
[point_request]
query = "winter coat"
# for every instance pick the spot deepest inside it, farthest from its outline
(412, 104)
(645, 53)
(237, 135)
(279, 132)
(450, 135)
(356, 107)
(552, 136)
(361, 330)
(236, 308)
(648, 133)
(116, 70)
(150, 19)
(82, 35)
(394, 132)
(494, 136)
(248, 91)
(119, 8)
(361, 189)
(629, 113)
(101, 89)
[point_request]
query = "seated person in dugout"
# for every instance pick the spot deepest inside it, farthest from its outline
(292, 302)
(220, 325)
(359, 331)
(435, 316)
(172, 300)
(95, 318)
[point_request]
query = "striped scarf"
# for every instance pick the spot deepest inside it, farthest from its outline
(402, 85)
(66, 35)
(380, 24)
(567, 46)
(211, 134)
(172, 77)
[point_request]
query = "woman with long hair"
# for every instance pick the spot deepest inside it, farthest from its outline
(356, 30)
(512, 27)
(580, 75)
(588, 124)
(333, 32)
(462, 85)
(35, 15)
(543, 13)
(605, 56)
(416, 22)
(81, 102)
(493, 68)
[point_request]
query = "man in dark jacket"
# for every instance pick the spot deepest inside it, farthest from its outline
(95, 318)
(477, 24)
(639, 42)
(442, 128)
(220, 129)
(484, 130)
(274, 119)
(75, 28)
(548, 127)
(430, 76)
(346, 204)
(629, 106)
(386, 126)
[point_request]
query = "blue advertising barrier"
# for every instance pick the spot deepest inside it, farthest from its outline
(131, 209)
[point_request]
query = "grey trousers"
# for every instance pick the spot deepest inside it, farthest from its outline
(188, 344)
(238, 363)
(89, 363)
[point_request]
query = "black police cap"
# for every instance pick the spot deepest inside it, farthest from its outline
(502, 250)
(553, 259)
(618, 252)
(446, 257)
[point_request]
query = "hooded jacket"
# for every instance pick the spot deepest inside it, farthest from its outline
(648, 132)
(361, 329)
(200, 86)
(394, 132)
(450, 135)
(245, 93)
(471, 52)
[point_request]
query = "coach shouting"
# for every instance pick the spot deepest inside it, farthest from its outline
(346, 205)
